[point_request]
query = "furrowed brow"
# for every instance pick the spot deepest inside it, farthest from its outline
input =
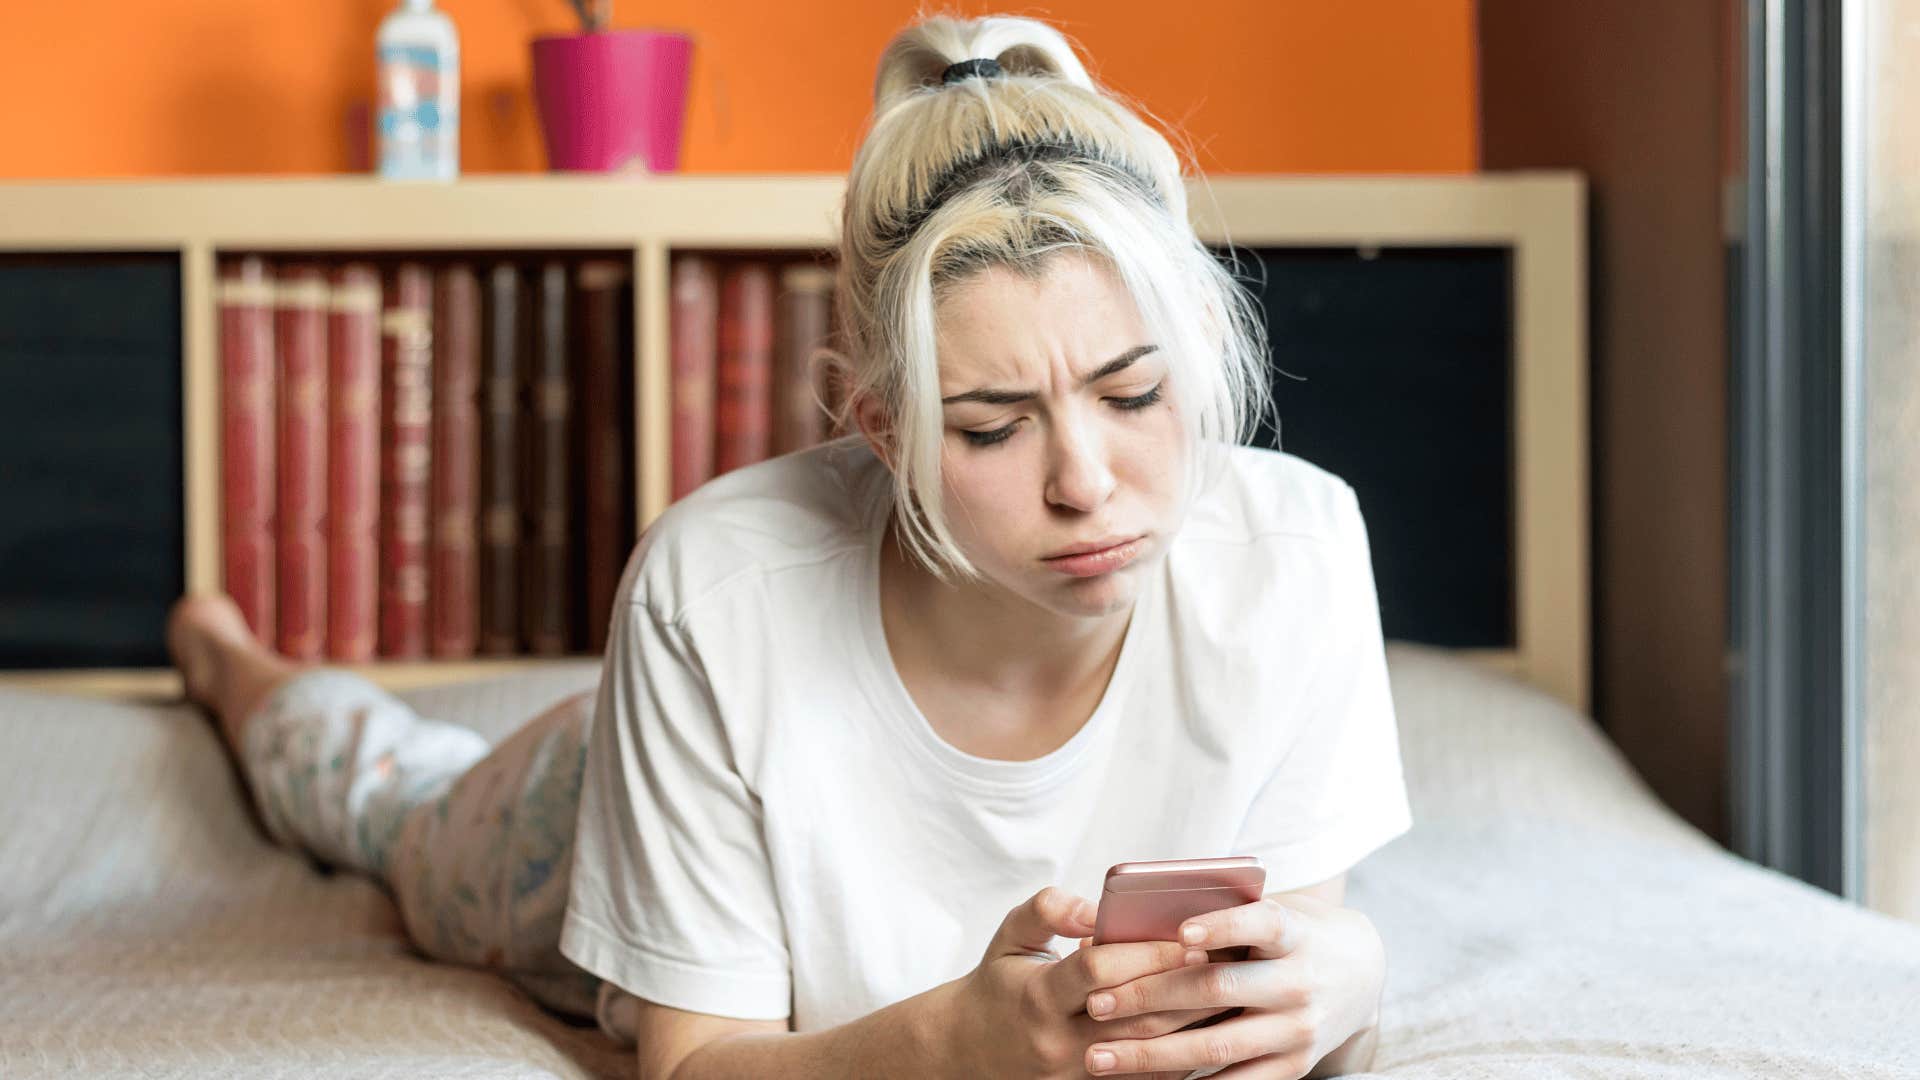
(990, 396)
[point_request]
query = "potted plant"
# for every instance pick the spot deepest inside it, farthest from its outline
(611, 100)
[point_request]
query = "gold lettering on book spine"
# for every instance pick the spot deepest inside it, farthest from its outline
(410, 326)
(693, 395)
(502, 525)
(351, 299)
(304, 292)
(410, 584)
(355, 399)
(412, 461)
(245, 292)
(454, 532)
(410, 527)
(304, 395)
(601, 275)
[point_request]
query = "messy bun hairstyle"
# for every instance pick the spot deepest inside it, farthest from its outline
(1005, 170)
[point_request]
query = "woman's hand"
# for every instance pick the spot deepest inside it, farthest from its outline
(1022, 1011)
(1312, 978)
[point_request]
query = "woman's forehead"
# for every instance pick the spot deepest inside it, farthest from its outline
(1000, 324)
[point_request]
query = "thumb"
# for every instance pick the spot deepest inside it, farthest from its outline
(1030, 928)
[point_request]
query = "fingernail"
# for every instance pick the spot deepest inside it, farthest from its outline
(1086, 912)
(1099, 1005)
(1102, 1061)
(1196, 956)
(1193, 935)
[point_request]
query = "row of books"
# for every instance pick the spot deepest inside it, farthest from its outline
(426, 457)
(746, 335)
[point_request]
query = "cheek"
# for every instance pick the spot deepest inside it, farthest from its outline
(988, 497)
(1150, 456)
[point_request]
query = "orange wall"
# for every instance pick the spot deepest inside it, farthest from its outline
(165, 87)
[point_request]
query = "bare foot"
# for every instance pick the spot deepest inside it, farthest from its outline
(224, 667)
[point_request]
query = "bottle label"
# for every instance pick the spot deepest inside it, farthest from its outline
(417, 135)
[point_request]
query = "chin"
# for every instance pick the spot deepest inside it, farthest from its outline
(1095, 596)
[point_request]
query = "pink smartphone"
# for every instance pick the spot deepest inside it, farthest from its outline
(1147, 901)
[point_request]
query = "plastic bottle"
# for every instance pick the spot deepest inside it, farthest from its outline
(419, 65)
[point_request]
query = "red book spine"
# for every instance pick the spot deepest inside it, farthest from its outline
(301, 334)
(743, 407)
(406, 458)
(693, 320)
(799, 416)
(456, 462)
(248, 434)
(353, 464)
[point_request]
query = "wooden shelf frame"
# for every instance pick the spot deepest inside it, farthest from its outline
(1539, 216)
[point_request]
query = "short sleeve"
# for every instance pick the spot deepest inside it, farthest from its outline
(1336, 792)
(672, 896)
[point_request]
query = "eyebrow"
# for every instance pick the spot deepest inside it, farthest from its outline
(990, 396)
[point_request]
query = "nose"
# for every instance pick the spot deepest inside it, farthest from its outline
(1078, 475)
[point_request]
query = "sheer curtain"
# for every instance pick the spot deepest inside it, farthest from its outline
(1886, 154)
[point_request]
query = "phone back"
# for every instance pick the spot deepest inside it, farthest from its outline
(1147, 901)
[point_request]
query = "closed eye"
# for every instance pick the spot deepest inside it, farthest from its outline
(1002, 434)
(1139, 402)
(988, 438)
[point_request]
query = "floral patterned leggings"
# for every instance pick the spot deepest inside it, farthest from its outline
(475, 841)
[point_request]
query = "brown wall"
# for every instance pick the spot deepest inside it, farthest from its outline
(1630, 92)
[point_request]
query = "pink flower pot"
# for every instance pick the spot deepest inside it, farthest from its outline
(612, 100)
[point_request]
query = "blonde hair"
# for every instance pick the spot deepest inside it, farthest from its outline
(1005, 171)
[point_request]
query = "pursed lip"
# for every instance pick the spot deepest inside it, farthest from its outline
(1093, 546)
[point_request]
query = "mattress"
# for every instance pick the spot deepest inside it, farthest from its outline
(148, 928)
(1545, 917)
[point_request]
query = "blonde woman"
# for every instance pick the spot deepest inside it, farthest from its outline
(875, 718)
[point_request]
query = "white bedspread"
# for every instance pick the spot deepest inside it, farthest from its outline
(1548, 917)
(1545, 917)
(147, 928)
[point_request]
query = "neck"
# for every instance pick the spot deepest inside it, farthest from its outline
(986, 636)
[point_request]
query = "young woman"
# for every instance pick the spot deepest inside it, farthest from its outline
(876, 717)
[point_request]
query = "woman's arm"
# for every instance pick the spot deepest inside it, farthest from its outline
(668, 1036)
(902, 1039)
(1020, 1012)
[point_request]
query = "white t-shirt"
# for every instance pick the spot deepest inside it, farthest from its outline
(770, 827)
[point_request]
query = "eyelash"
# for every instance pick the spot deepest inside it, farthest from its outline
(1002, 434)
(1139, 402)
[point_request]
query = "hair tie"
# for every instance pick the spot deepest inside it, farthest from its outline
(982, 66)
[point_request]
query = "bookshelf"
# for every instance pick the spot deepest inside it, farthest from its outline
(1539, 216)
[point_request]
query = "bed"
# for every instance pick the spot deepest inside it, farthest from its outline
(1545, 917)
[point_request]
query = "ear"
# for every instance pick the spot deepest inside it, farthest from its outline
(876, 424)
